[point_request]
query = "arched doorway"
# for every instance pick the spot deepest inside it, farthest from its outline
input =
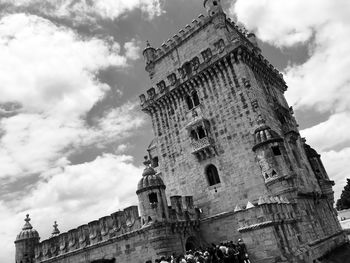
(191, 244)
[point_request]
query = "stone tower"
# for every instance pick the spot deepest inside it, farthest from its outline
(25, 243)
(225, 134)
(151, 194)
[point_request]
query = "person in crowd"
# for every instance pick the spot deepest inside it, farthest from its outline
(226, 252)
(243, 254)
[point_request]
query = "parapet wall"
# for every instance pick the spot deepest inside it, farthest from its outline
(117, 224)
(116, 228)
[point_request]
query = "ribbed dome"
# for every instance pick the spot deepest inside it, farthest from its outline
(148, 171)
(265, 133)
(27, 231)
(150, 179)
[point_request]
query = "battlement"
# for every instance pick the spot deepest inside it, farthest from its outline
(118, 225)
(93, 233)
(198, 71)
(183, 209)
(181, 36)
(269, 211)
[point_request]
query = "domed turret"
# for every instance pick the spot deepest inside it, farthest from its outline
(151, 194)
(150, 180)
(271, 152)
(149, 55)
(264, 134)
(25, 242)
(213, 7)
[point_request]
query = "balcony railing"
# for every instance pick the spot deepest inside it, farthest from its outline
(201, 144)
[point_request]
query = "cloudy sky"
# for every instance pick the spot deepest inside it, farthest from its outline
(71, 134)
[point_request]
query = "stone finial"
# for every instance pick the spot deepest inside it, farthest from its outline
(260, 120)
(55, 231)
(148, 169)
(27, 225)
(249, 205)
(146, 162)
(237, 208)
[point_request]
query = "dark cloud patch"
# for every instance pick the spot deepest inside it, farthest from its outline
(307, 118)
(11, 189)
(283, 57)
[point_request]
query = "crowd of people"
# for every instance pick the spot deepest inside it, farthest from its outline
(227, 252)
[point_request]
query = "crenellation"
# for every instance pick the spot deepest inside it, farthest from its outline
(94, 232)
(83, 236)
(73, 240)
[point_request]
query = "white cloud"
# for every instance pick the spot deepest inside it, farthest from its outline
(85, 10)
(48, 78)
(50, 74)
(132, 49)
(323, 80)
(338, 168)
(88, 191)
(46, 65)
(330, 134)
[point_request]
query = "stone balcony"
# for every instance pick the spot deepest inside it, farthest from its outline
(203, 148)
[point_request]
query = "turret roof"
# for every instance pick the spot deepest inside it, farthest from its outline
(27, 231)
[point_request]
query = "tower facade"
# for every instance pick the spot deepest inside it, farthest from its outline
(225, 134)
(25, 243)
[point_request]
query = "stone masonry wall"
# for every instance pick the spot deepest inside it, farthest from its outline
(145, 244)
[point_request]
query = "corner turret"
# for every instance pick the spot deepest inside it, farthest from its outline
(213, 7)
(151, 194)
(25, 243)
(270, 151)
(149, 55)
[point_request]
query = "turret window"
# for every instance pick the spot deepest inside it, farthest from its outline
(155, 162)
(192, 100)
(161, 86)
(206, 54)
(276, 150)
(212, 175)
(153, 198)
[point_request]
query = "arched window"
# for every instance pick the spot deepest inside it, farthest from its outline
(189, 102)
(212, 175)
(201, 132)
(195, 98)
